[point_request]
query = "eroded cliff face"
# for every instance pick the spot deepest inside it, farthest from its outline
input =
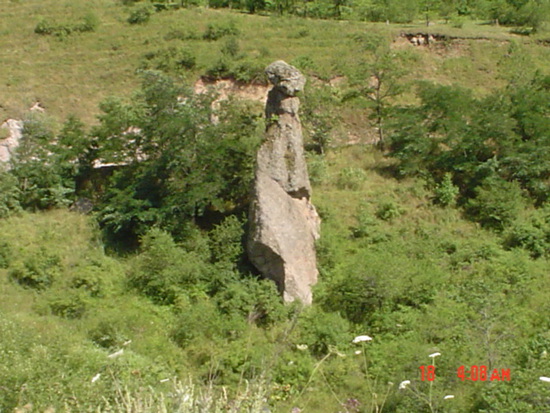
(283, 223)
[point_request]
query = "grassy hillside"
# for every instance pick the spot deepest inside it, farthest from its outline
(71, 74)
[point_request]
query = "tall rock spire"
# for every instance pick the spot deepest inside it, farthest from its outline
(283, 223)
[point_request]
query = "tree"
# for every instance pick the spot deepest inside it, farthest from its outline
(76, 152)
(378, 81)
(43, 182)
(395, 11)
(179, 165)
(428, 8)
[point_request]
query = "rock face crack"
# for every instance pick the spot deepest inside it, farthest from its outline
(284, 223)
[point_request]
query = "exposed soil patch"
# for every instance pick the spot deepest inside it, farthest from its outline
(426, 39)
(434, 43)
(337, 81)
(441, 44)
(226, 88)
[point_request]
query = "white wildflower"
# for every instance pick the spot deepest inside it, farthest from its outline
(96, 377)
(126, 342)
(546, 379)
(404, 384)
(164, 380)
(358, 352)
(116, 354)
(449, 396)
(433, 355)
(360, 339)
(301, 347)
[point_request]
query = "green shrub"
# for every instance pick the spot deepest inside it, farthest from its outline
(255, 300)
(387, 211)
(44, 27)
(217, 31)
(140, 15)
(532, 234)
(226, 241)
(163, 271)
(179, 34)
(317, 168)
(89, 23)
(42, 185)
(457, 22)
(446, 192)
(38, 271)
(368, 227)
(9, 195)
(357, 297)
(200, 320)
(291, 373)
(5, 255)
(231, 47)
(69, 305)
(245, 71)
(530, 237)
(92, 278)
(106, 334)
(321, 331)
(497, 203)
(170, 60)
(249, 71)
(304, 63)
(351, 178)
(221, 69)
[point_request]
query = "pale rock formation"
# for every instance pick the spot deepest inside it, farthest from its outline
(283, 223)
(9, 145)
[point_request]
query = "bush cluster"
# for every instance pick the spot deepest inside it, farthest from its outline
(89, 23)
(351, 178)
(170, 60)
(217, 31)
(232, 64)
(141, 15)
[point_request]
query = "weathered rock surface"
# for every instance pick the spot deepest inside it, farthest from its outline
(8, 145)
(284, 223)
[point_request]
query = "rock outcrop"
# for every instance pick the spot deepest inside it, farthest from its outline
(283, 223)
(8, 145)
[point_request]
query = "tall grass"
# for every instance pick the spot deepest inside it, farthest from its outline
(187, 397)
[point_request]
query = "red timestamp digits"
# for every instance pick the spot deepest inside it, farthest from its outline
(427, 373)
(481, 373)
